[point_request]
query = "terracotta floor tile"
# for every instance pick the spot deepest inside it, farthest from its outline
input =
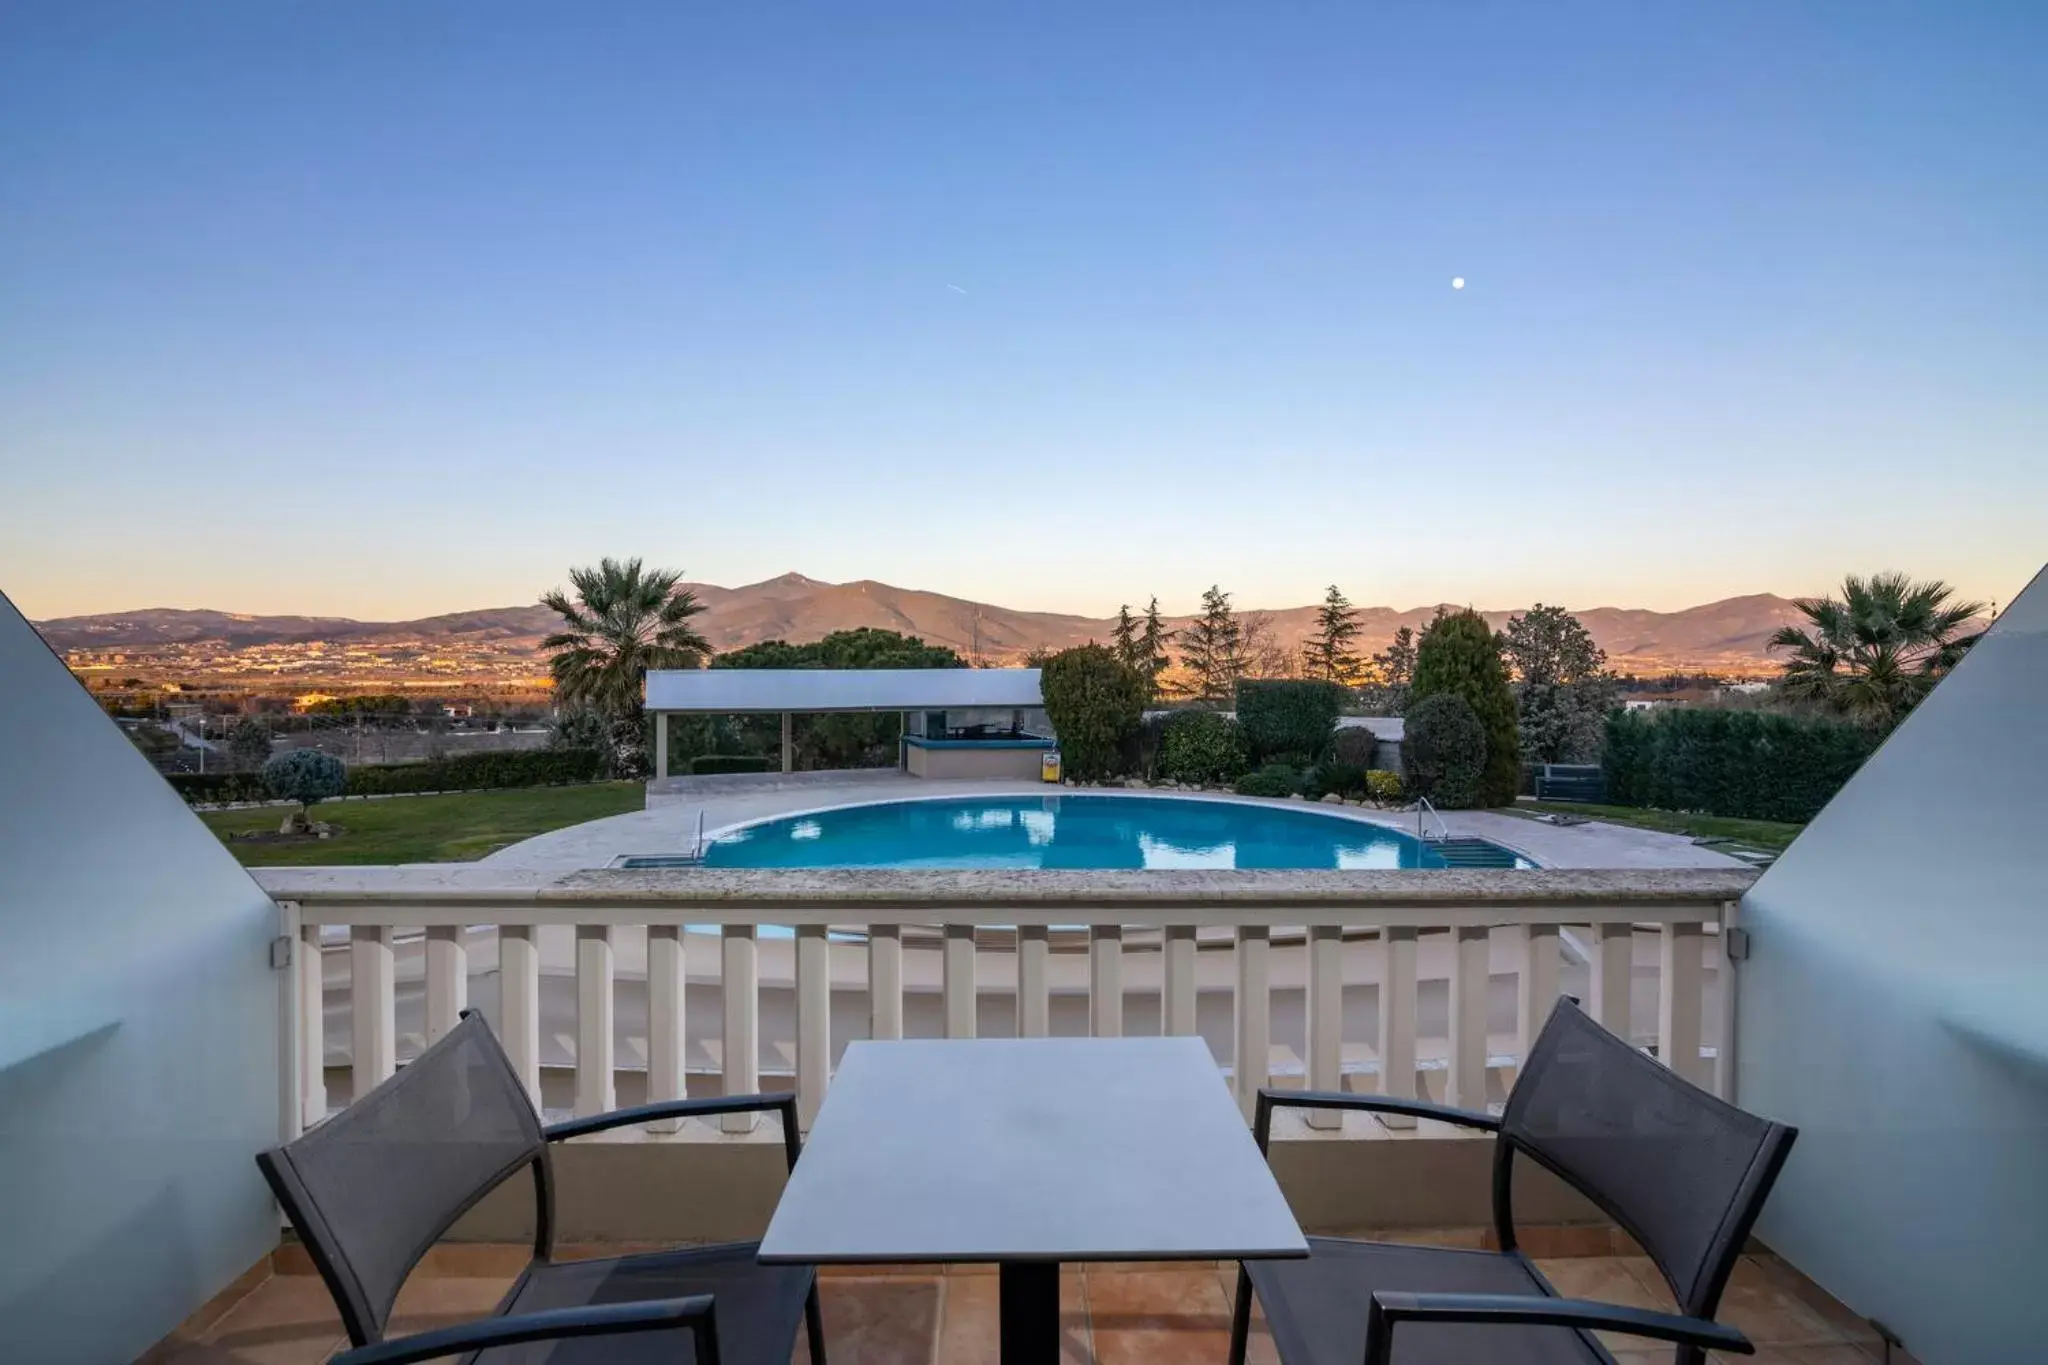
(1154, 1317)
(1801, 1355)
(1848, 1326)
(1259, 1348)
(288, 1320)
(431, 1301)
(969, 1323)
(883, 1320)
(1770, 1314)
(1606, 1279)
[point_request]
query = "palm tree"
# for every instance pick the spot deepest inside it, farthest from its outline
(1873, 653)
(624, 620)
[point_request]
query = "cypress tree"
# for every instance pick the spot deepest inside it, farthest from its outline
(1461, 655)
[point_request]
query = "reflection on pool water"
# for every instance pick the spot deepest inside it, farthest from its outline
(1078, 832)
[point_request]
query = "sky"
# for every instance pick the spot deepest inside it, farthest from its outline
(384, 309)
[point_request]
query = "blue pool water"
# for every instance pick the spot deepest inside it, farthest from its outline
(1080, 832)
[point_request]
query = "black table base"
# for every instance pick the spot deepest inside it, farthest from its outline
(1029, 1306)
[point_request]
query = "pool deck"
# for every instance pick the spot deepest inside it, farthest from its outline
(670, 823)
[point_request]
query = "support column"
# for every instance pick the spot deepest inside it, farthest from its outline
(788, 747)
(660, 745)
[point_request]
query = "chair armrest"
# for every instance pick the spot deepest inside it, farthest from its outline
(1269, 1100)
(782, 1101)
(1530, 1310)
(553, 1324)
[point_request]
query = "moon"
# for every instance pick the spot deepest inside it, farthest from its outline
(1457, 281)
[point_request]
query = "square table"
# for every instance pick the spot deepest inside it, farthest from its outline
(1030, 1152)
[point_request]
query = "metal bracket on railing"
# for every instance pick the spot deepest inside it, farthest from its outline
(1737, 941)
(280, 953)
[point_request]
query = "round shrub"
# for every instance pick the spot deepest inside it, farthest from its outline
(1460, 654)
(1384, 787)
(1356, 745)
(1094, 701)
(1444, 752)
(306, 776)
(1275, 779)
(1201, 746)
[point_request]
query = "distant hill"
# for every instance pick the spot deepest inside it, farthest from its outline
(1726, 636)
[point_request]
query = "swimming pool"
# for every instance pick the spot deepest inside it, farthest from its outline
(1082, 832)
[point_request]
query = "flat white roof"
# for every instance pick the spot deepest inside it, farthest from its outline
(728, 691)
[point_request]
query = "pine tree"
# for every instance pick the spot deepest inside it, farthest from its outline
(1330, 654)
(1396, 663)
(1124, 638)
(1212, 647)
(1460, 654)
(1153, 659)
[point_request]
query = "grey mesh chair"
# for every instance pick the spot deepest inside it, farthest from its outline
(1679, 1170)
(372, 1188)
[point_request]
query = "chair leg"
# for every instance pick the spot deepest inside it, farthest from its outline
(1241, 1316)
(814, 1326)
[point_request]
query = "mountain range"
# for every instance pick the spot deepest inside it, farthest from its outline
(1727, 636)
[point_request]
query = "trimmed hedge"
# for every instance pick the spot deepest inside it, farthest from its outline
(705, 765)
(1201, 746)
(1275, 779)
(469, 772)
(1747, 765)
(479, 772)
(1287, 718)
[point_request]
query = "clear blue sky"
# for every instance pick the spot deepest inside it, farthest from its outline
(389, 308)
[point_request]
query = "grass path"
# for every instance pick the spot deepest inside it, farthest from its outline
(457, 828)
(1768, 835)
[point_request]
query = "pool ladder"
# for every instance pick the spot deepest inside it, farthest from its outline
(1443, 831)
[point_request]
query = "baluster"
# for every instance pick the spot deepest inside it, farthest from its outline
(1253, 1008)
(813, 1021)
(1469, 965)
(519, 1002)
(447, 979)
(595, 1063)
(1178, 1008)
(957, 980)
(1536, 985)
(1325, 1019)
(741, 988)
(1106, 981)
(1679, 968)
(885, 981)
(312, 1026)
(1034, 1006)
(1397, 1020)
(373, 985)
(667, 986)
(1614, 947)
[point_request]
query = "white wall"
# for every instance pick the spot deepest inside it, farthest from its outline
(1896, 1009)
(138, 1035)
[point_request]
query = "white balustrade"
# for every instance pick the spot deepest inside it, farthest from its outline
(1307, 949)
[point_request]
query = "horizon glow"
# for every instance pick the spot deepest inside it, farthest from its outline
(386, 312)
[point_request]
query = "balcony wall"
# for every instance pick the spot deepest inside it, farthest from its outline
(1905, 936)
(139, 1044)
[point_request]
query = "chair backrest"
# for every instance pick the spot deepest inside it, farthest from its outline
(1681, 1171)
(372, 1188)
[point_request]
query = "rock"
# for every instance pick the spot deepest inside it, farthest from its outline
(1332, 799)
(1296, 796)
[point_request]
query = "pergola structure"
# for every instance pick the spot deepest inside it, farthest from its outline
(819, 691)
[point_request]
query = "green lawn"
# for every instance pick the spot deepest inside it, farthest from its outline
(1763, 834)
(422, 829)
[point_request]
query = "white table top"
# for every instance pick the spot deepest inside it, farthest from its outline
(1062, 1149)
